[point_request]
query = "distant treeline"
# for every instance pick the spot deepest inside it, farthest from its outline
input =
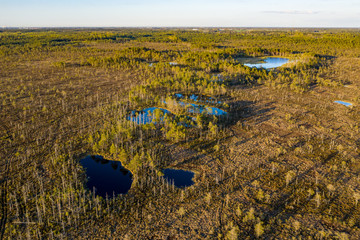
(252, 42)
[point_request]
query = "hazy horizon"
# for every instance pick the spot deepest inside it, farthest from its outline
(200, 13)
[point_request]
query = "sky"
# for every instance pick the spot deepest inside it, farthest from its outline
(180, 13)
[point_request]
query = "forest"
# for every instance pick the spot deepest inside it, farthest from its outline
(272, 153)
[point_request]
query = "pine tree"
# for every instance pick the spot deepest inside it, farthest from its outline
(112, 149)
(259, 229)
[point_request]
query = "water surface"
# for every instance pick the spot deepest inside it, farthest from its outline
(148, 115)
(107, 177)
(344, 103)
(180, 178)
(196, 108)
(268, 63)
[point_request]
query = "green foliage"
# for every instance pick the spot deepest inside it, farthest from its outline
(213, 128)
(112, 149)
(259, 229)
(60, 64)
(135, 163)
(175, 132)
(233, 233)
(249, 215)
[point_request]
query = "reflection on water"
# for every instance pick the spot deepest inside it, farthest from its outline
(107, 177)
(148, 115)
(180, 178)
(268, 63)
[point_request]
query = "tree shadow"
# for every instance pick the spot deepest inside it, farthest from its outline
(246, 110)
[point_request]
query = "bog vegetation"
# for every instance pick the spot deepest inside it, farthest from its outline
(279, 159)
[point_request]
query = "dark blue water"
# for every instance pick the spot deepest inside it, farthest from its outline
(343, 103)
(269, 63)
(148, 115)
(106, 176)
(180, 178)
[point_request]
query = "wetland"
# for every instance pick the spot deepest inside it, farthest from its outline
(184, 140)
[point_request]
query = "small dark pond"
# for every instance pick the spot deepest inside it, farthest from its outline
(106, 176)
(268, 63)
(180, 178)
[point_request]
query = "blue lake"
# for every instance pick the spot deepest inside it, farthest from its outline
(343, 103)
(268, 63)
(148, 115)
(180, 178)
(107, 177)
